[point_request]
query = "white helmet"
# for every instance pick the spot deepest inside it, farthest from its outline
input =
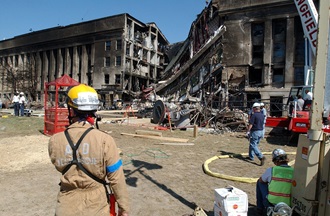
(256, 105)
(22, 93)
(262, 104)
(278, 154)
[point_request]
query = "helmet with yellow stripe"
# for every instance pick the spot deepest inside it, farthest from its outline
(83, 98)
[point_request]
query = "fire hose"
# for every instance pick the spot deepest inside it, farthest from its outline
(207, 171)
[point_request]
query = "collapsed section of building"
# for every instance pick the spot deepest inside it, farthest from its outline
(238, 52)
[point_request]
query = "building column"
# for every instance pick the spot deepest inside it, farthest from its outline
(38, 71)
(45, 75)
(67, 65)
(268, 50)
(13, 70)
(91, 69)
(52, 62)
(289, 54)
(59, 63)
(84, 65)
(2, 75)
(75, 64)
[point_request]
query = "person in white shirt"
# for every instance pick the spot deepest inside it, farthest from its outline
(300, 103)
(15, 101)
(22, 103)
(308, 98)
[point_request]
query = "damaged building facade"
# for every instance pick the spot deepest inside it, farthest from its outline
(117, 55)
(238, 52)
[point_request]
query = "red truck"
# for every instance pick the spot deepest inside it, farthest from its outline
(296, 121)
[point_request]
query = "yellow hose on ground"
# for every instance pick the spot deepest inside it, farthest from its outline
(233, 178)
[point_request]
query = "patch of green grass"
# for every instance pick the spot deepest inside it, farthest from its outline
(21, 126)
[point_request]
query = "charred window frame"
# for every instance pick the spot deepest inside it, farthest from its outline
(106, 78)
(279, 49)
(258, 35)
(256, 70)
(117, 79)
(278, 77)
(279, 41)
(255, 76)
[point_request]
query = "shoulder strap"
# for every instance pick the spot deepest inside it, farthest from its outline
(74, 155)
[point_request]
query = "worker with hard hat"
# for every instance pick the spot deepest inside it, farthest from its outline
(15, 101)
(274, 186)
(88, 159)
(254, 132)
(22, 102)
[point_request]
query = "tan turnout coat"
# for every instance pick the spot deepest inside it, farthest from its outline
(79, 194)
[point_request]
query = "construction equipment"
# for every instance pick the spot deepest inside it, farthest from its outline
(296, 121)
(311, 179)
(299, 121)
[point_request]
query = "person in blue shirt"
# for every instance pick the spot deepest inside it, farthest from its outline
(255, 133)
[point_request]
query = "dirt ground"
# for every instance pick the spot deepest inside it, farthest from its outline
(166, 180)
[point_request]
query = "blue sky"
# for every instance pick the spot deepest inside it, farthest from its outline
(173, 17)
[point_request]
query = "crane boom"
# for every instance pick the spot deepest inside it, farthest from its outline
(309, 20)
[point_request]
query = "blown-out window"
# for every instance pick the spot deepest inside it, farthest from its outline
(106, 78)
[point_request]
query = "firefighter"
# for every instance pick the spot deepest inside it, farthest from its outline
(274, 186)
(86, 157)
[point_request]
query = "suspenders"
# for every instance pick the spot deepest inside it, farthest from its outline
(76, 162)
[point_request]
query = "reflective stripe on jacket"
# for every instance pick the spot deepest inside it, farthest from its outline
(279, 189)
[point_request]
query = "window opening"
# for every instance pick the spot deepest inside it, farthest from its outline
(107, 62)
(118, 60)
(106, 78)
(107, 45)
(119, 45)
(117, 79)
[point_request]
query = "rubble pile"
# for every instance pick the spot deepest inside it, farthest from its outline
(186, 115)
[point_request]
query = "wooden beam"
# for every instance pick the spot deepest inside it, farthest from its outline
(176, 144)
(116, 111)
(117, 119)
(173, 139)
(146, 132)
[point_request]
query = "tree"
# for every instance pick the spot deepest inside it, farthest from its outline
(22, 78)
